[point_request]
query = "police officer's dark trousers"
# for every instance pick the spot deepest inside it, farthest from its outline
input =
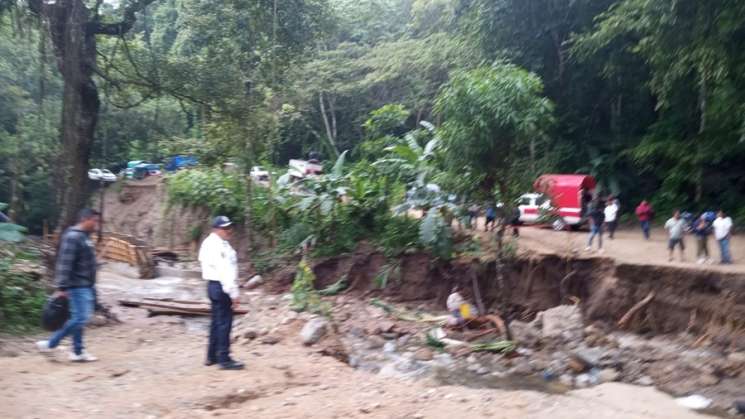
(218, 349)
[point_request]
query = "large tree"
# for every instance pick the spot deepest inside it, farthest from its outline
(493, 118)
(73, 27)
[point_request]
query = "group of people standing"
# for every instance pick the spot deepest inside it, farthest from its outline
(602, 214)
(701, 228)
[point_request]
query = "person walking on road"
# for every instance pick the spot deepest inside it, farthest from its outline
(491, 217)
(75, 277)
(675, 227)
(220, 270)
(597, 218)
(722, 232)
(645, 213)
(611, 216)
(701, 229)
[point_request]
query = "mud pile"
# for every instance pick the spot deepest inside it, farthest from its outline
(675, 328)
(140, 209)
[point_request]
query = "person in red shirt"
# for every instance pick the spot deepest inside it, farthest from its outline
(645, 213)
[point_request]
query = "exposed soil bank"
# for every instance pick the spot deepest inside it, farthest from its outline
(706, 303)
(687, 339)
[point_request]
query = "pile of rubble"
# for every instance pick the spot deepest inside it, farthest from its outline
(556, 349)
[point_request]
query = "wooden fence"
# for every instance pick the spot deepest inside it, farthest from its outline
(121, 248)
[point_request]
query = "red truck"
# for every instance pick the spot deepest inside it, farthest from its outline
(567, 196)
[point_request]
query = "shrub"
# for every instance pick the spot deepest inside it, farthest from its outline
(22, 297)
(220, 192)
(400, 233)
(304, 295)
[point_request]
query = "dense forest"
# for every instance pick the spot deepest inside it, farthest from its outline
(647, 96)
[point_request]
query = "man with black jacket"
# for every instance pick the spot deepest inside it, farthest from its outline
(75, 277)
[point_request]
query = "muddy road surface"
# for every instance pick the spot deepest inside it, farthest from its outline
(152, 368)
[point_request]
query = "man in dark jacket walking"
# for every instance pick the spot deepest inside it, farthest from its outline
(75, 276)
(597, 218)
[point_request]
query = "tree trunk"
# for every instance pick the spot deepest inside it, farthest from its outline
(332, 110)
(327, 124)
(75, 49)
(560, 59)
(702, 96)
(14, 199)
(73, 28)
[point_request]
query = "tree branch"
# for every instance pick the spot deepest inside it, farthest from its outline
(123, 26)
(35, 6)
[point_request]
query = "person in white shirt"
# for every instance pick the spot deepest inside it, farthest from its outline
(220, 270)
(676, 229)
(611, 216)
(722, 232)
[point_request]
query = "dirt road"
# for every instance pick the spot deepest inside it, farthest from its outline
(628, 246)
(152, 368)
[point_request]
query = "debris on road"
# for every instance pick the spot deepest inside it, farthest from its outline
(167, 306)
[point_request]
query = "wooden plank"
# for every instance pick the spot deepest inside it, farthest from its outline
(175, 308)
(173, 300)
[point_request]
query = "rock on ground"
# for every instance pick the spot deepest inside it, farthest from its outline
(313, 330)
(524, 333)
(563, 321)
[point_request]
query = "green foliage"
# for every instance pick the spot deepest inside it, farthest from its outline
(220, 192)
(690, 51)
(294, 236)
(340, 209)
(399, 234)
(499, 346)
(22, 298)
(386, 120)
(436, 234)
(10, 232)
(388, 272)
(304, 295)
(335, 288)
(434, 343)
(22, 293)
(490, 116)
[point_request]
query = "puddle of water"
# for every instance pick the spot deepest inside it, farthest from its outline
(443, 369)
(502, 382)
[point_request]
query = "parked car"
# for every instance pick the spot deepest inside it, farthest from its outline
(532, 207)
(300, 169)
(153, 169)
(101, 174)
(181, 162)
(259, 175)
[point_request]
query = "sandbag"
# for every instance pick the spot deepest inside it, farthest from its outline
(55, 314)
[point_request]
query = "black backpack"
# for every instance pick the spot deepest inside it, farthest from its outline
(56, 313)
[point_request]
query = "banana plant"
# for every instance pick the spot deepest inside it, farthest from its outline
(408, 160)
(10, 232)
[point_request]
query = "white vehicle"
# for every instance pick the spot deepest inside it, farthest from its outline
(300, 169)
(532, 206)
(101, 174)
(259, 175)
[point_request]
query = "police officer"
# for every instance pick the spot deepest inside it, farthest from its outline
(220, 270)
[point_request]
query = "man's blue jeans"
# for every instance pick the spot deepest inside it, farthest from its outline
(645, 229)
(724, 247)
(596, 230)
(218, 349)
(81, 309)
